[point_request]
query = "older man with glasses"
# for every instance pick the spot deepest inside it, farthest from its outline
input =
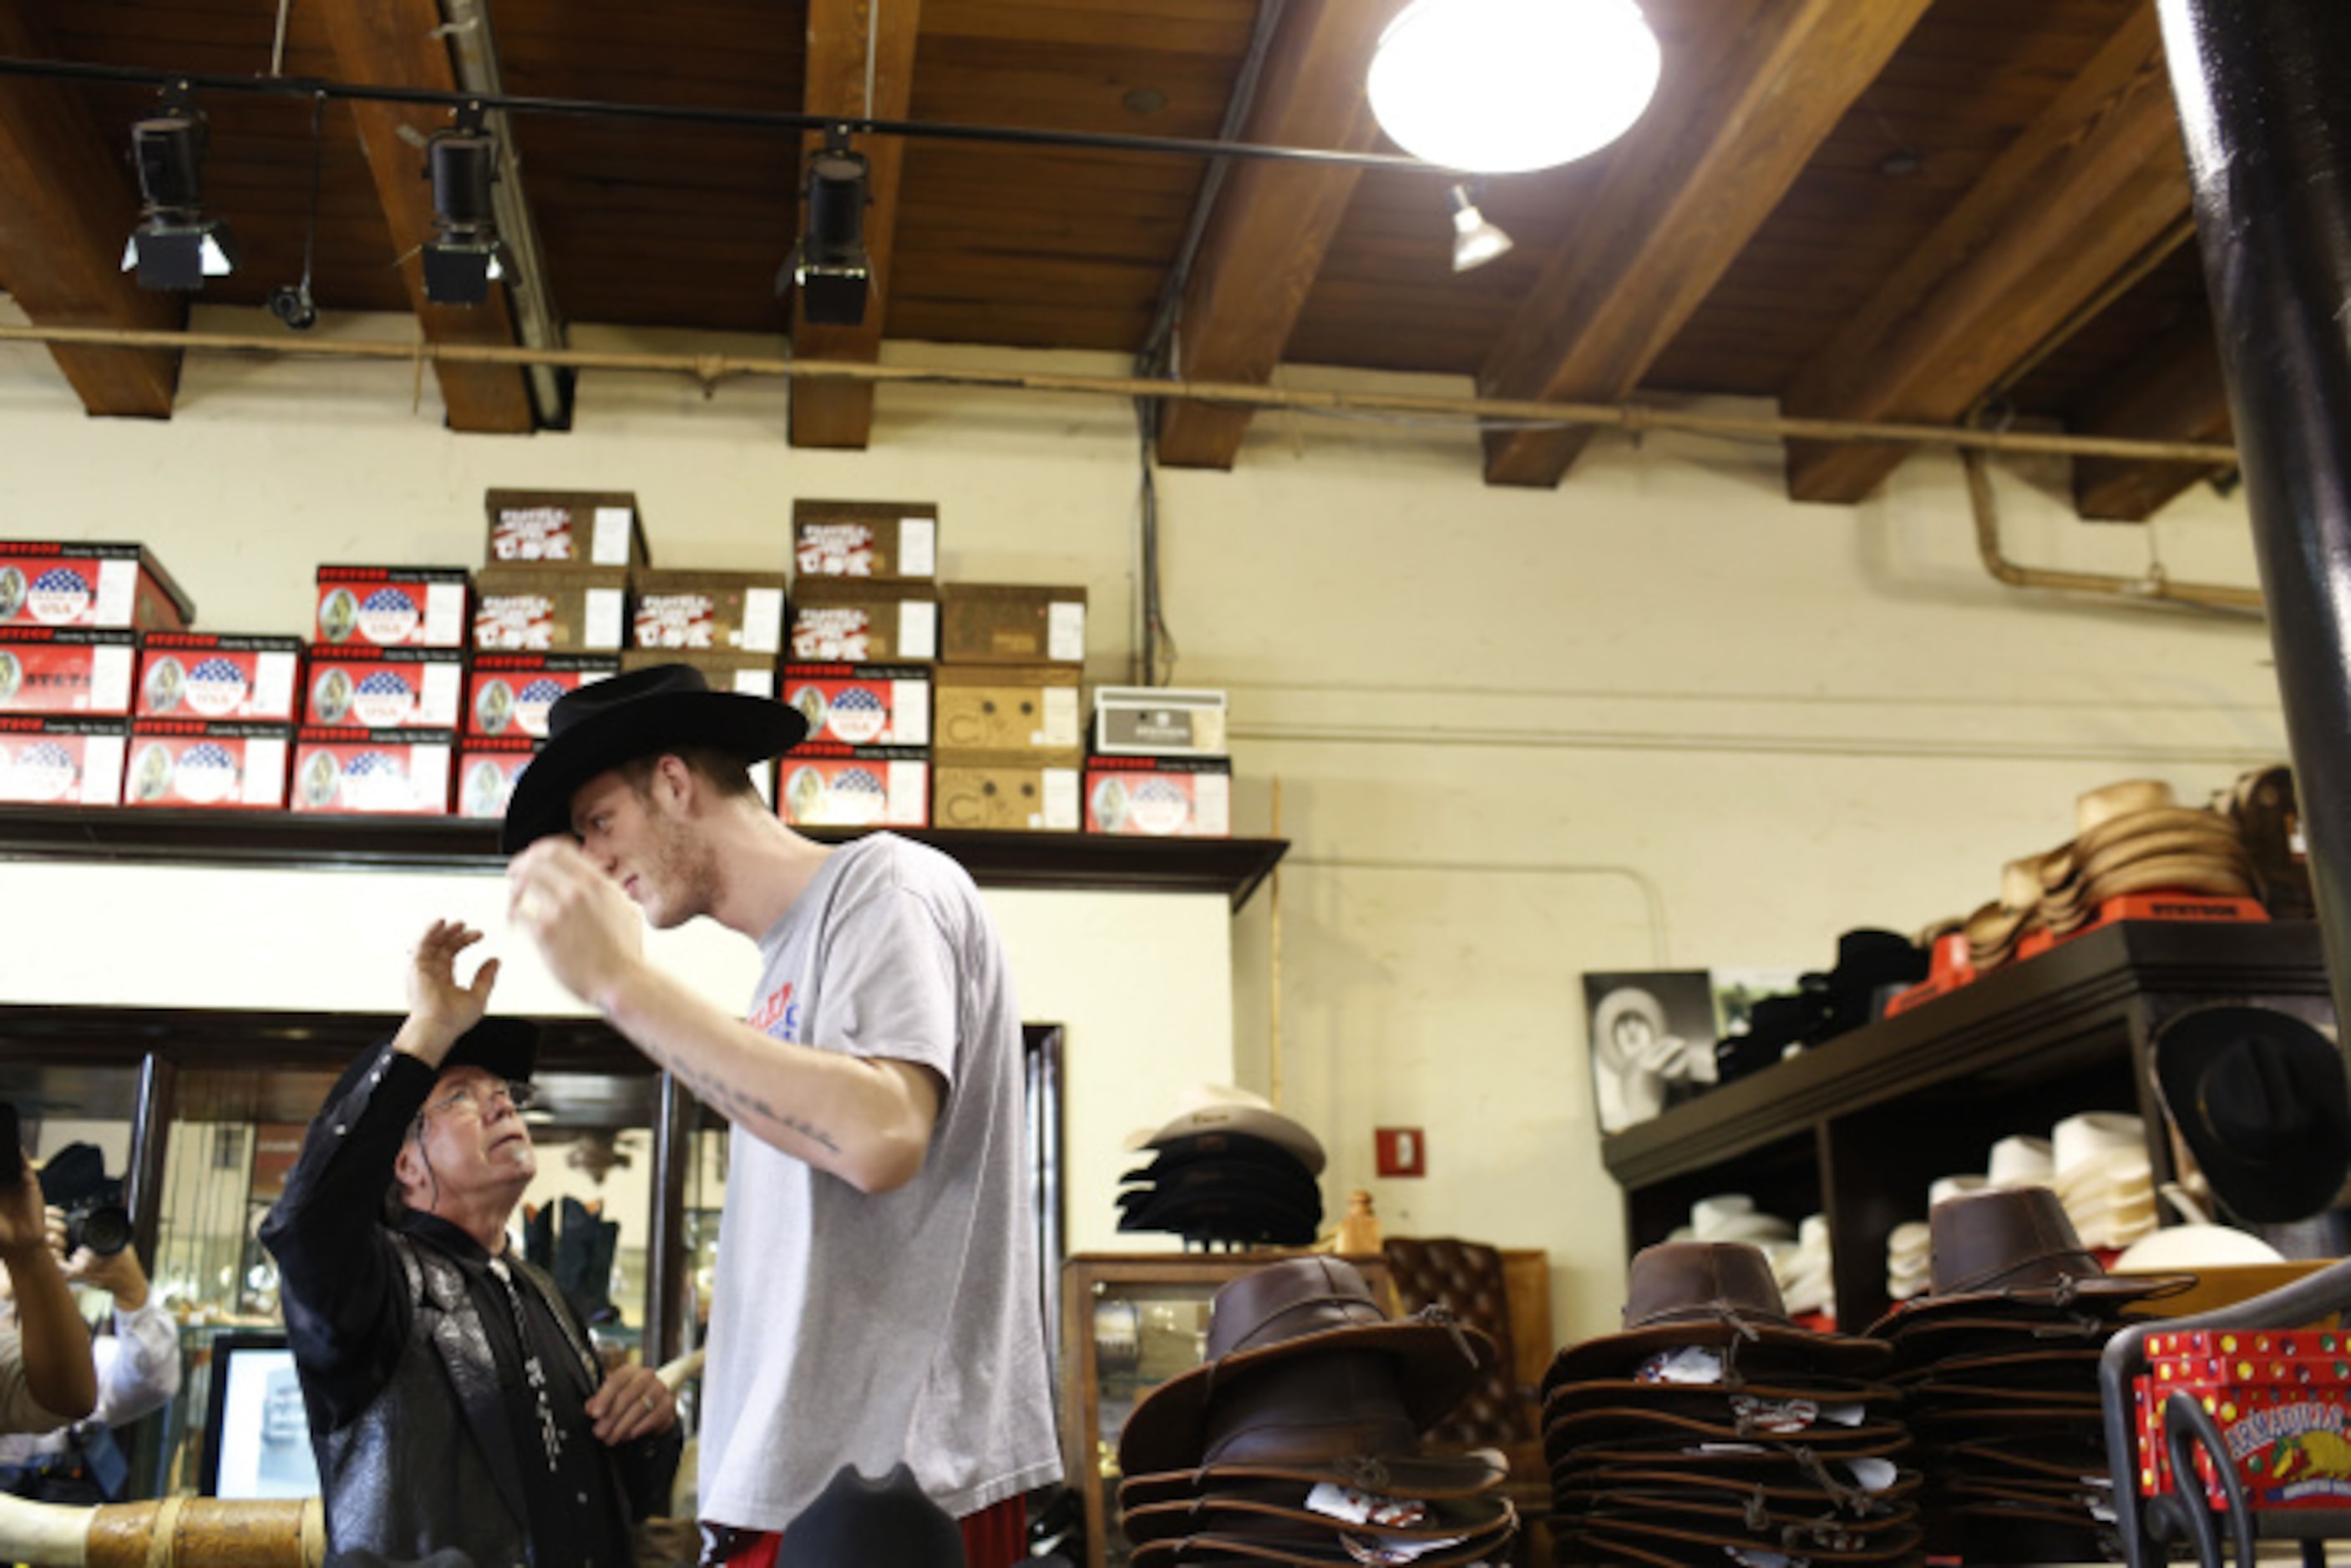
(454, 1398)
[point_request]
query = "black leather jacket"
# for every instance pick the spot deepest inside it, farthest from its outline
(414, 1431)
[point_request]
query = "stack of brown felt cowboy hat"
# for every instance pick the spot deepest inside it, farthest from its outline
(2129, 837)
(1299, 1439)
(1713, 1426)
(1999, 1363)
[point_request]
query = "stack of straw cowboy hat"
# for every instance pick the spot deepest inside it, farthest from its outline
(2129, 837)
(1300, 1439)
(1713, 1425)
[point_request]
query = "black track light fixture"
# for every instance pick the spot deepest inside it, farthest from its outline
(464, 257)
(830, 265)
(175, 245)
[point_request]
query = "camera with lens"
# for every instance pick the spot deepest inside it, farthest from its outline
(104, 1228)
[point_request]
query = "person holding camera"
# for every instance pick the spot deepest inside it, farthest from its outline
(454, 1398)
(137, 1364)
(47, 1376)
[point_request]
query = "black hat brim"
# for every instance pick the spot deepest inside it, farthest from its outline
(2283, 1178)
(751, 728)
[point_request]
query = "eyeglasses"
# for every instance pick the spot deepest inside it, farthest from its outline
(476, 1101)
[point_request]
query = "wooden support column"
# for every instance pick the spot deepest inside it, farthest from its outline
(391, 43)
(1682, 196)
(2084, 191)
(2174, 390)
(1274, 222)
(67, 204)
(840, 413)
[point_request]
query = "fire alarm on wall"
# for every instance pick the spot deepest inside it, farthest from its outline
(1403, 1151)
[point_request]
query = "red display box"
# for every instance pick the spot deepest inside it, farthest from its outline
(487, 768)
(218, 676)
(1160, 797)
(862, 704)
(207, 764)
(509, 694)
(47, 760)
(385, 688)
(826, 784)
(61, 671)
(393, 606)
(397, 773)
(2280, 1399)
(120, 587)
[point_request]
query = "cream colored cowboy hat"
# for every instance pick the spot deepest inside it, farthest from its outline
(1223, 1108)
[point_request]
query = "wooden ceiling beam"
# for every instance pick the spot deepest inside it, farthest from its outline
(2081, 193)
(1273, 221)
(392, 42)
(840, 413)
(67, 204)
(1682, 196)
(2171, 390)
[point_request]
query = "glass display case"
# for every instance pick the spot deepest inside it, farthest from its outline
(1129, 1323)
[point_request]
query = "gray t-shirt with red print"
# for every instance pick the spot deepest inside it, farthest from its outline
(848, 1329)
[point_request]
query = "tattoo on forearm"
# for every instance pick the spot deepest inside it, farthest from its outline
(735, 1102)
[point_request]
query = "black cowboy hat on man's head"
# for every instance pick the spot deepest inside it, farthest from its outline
(503, 1047)
(600, 726)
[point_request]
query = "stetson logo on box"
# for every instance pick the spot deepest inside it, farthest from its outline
(727, 611)
(393, 606)
(58, 583)
(865, 538)
(210, 675)
(508, 694)
(567, 528)
(51, 669)
(386, 689)
(207, 764)
(385, 772)
(487, 768)
(525, 608)
(49, 760)
(860, 620)
(862, 704)
(826, 784)
(1153, 720)
(1160, 797)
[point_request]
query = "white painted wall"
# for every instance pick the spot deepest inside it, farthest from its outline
(1660, 716)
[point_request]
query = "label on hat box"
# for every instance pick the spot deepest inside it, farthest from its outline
(445, 614)
(918, 629)
(918, 547)
(614, 525)
(514, 622)
(1065, 631)
(605, 613)
(832, 634)
(1057, 790)
(532, 534)
(763, 620)
(676, 621)
(836, 549)
(1061, 715)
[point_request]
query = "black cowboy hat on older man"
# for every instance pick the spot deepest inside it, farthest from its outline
(600, 726)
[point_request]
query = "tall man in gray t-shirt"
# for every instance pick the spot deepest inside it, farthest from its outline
(876, 1297)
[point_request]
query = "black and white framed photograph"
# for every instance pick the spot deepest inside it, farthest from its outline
(1652, 1034)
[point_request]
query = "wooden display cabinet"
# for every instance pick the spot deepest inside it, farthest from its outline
(1856, 1128)
(1128, 1323)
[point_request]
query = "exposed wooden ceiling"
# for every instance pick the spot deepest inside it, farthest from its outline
(1913, 210)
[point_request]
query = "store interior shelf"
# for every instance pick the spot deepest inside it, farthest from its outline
(1858, 1127)
(1057, 861)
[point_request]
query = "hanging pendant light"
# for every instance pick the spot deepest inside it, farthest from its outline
(1501, 87)
(1476, 240)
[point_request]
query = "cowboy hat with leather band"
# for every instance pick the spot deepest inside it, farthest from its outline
(2014, 1246)
(1429, 1480)
(600, 726)
(2259, 1097)
(1706, 1293)
(1303, 1366)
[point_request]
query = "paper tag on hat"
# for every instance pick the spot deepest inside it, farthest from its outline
(1873, 1475)
(1385, 1551)
(1345, 1503)
(1689, 1364)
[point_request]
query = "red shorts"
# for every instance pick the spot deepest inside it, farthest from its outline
(995, 1537)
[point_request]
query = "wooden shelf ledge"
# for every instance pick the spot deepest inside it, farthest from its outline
(1065, 862)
